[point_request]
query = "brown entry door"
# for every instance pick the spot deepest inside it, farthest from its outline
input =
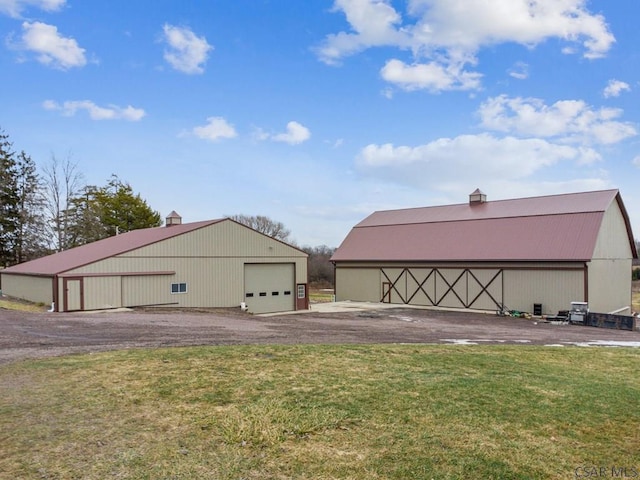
(386, 292)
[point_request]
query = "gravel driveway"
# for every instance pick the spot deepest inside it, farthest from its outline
(35, 335)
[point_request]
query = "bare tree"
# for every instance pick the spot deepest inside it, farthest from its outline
(63, 181)
(264, 225)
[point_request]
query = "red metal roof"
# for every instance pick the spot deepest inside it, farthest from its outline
(108, 247)
(550, 228)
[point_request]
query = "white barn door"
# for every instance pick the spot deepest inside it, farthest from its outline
(269, 287)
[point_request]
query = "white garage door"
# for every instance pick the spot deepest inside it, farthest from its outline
(269, 287)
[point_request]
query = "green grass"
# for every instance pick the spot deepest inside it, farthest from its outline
(12, 304)
(320, 295)
(322, 412)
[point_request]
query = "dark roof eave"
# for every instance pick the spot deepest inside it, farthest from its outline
(444, 260)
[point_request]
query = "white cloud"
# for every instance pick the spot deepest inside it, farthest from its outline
(217, 128)
(566, 120)
(186, 52)
(636, 161)
(111, 112)
(519, 71)
(14, 8)
(375, 23)
(449, 33)
(615, 87)
(296, 133)
(430, 76)
(51, 48)
(458, 165)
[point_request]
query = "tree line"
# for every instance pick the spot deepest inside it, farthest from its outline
(52, 210)
(320, 271)
(48, 211)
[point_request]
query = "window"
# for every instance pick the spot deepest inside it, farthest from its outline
(287, 292)
(301, 291)
(178, 288)
(275, 293)
(249, 295)
(263, 294)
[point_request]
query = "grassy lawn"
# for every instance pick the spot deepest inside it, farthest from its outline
(320, 293)
(12, 304)
(322, 412)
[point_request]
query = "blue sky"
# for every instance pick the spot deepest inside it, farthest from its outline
(318, 112)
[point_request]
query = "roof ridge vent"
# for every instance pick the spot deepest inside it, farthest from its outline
(477, 197)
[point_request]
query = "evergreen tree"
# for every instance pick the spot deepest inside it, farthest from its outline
(30, 239)
(106, 211)
(122, 211)
(9, 214)
(84, 218)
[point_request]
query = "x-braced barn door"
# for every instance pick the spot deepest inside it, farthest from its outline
(479, 288)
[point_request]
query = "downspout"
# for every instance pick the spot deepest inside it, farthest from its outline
(334, 281)
(586, 282)
(56, 304)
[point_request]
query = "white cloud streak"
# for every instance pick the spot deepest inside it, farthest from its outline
(51, 48)
(14, 8)
(216, 129)
(445, 38)
(615, 87)
(111, 112)
(185, 52)
(295, 134)
(567, 121)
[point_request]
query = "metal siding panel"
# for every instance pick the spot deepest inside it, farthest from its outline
(223, 239)
(613, 241)
(102, 292)
(146, 291)
(358, 284)
(554, 289)
(30, 288)
(609, 285)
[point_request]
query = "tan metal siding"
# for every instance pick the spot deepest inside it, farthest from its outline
(610, 285)
(224, 239)
(554, 289)
(613, 241)
(30, 288)
(138, 291)
(480, 286)
(358, 284)
(102, 292)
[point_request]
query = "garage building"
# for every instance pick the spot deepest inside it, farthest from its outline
(215, 263)
(531, 255)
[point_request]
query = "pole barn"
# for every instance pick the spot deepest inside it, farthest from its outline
(530, 254)
(214, 263)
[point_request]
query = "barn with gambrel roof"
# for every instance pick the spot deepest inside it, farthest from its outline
(526, 254)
